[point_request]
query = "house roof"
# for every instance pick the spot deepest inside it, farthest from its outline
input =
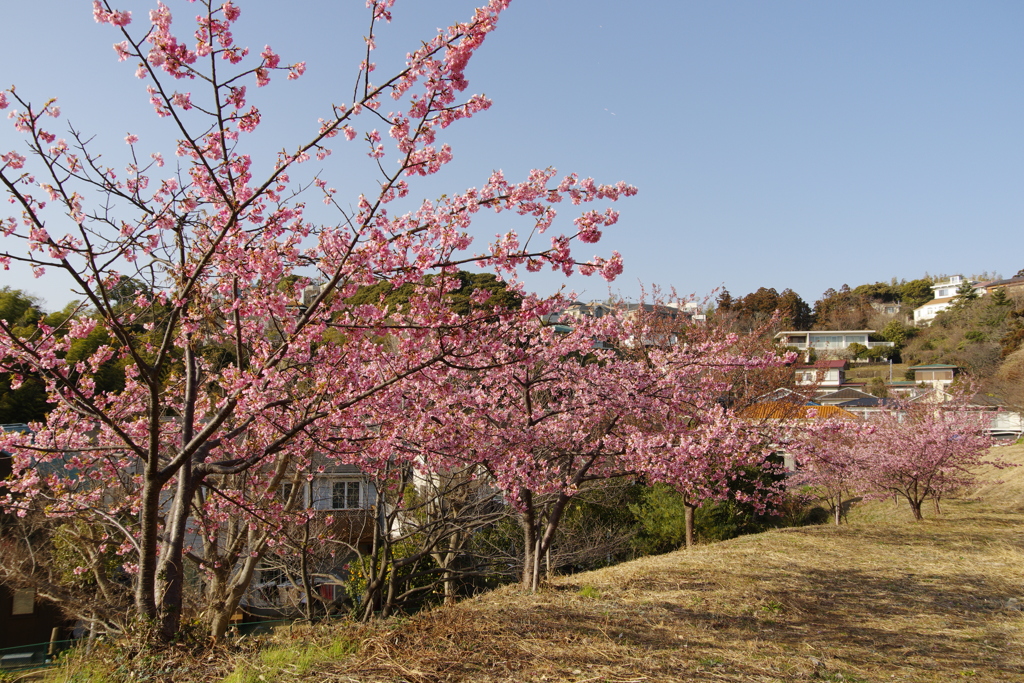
(650, 308)
(779, 334)
(1008, 282)
(784, 393)
(338, 468)
(780, 410)
(868, 402)
(987, 400)
(934, 366)
(845, 394)
(943, 300)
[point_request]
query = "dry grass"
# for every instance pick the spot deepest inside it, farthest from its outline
(879, 599)
(1004, 488)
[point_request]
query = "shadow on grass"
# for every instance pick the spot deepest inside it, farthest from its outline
(949, 622)
(940, 624)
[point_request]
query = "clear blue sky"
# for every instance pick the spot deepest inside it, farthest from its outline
(779, 144)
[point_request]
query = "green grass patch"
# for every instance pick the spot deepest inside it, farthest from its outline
(287, 663)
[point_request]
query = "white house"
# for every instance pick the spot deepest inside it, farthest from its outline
(943, 294)
(825, 375)
(828, 340)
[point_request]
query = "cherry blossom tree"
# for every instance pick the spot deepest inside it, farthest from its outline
(558, 410)
(923, 450)
(231, 375)
(828, 459)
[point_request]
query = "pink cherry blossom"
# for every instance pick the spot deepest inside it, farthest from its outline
(175, 268)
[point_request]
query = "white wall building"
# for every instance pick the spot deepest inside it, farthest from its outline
(943, 294)
(828, 340)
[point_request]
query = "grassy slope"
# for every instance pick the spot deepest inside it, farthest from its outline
(880, 599)
(863, 373)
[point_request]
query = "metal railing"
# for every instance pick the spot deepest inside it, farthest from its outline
(34, 656)
(43, 655)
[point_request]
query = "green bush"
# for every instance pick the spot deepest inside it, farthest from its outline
(661, 515)
(857, 350)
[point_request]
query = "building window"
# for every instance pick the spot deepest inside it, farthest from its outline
(285, 493)
(345, 495)
(24, 602)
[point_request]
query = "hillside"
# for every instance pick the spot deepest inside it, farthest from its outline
(880, 599)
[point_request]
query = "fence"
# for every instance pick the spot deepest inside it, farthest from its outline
(32, 656)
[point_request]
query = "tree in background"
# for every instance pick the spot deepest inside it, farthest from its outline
(828, 461)
(842, 310)
(754, 310)
(23, 395)
(922, 450)
(557, 412)
(227, 378)
(965, 294)
(916, 292)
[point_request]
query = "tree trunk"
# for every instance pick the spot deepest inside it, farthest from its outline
(688, 509)
(307, 586)
(171, 574)
(536, 565)
(445, 560)
(528, 523)
(376, 573)
(915, 507)
(449, 587)
(149, 520)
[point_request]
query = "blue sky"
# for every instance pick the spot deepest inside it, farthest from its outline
(786, 144)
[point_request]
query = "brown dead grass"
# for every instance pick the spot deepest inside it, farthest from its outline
(867, 602)
(1003, 487)
(878, 599)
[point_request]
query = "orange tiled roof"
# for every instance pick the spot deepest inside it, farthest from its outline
(780, 410)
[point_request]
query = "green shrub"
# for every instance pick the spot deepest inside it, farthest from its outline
(857, 350)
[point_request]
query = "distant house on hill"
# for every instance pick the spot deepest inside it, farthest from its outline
(842, 397)
(936, 375)
(827, 341)
(824, 375)
(943, 294)
(1009, 285)
(579, 309)
(885, 307)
